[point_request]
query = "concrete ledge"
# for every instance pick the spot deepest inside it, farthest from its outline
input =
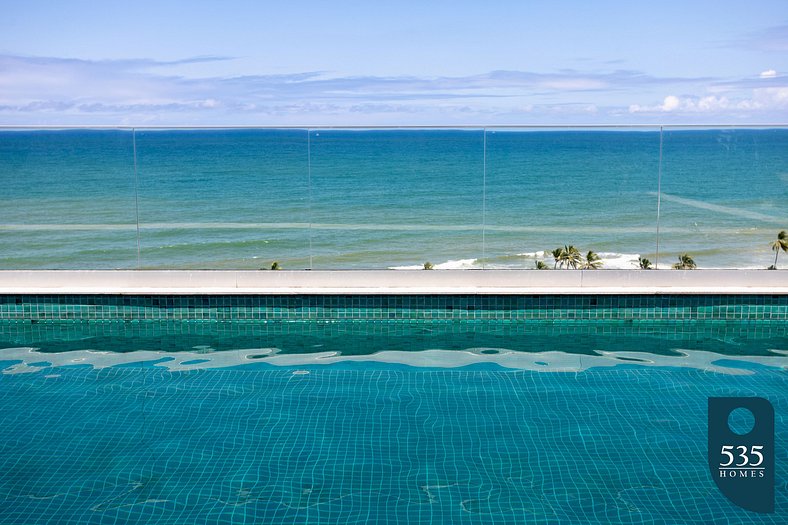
(374, 282)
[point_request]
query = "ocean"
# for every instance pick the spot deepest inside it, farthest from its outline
(353, 199)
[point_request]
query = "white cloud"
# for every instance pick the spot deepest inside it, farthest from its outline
(670, 103)
(62, 91)
(774, 98)
(712, 103)
(769, 73)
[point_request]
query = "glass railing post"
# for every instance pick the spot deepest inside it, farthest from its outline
(484, 198)
(310, 197)
(136, 195)
(659, 196)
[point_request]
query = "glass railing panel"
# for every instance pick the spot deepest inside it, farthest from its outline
(223, 198)
(724, 194)
(594, 189)
(67, 199)
(397, 198)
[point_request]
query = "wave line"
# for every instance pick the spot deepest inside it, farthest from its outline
(575, 229)
(719, 208)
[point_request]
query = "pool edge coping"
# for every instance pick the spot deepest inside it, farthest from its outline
(393, 282)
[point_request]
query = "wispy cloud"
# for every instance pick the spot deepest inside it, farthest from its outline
(774, 39)
(61, 90)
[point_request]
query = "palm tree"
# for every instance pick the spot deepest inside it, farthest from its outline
(780, 244)
(540, 265)
(568, 257)
(591, 262)
(573, 258)
(685, 263)
(644, 264)
(558, 255)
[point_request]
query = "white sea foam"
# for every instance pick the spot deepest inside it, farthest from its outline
(610, 260)
(619, 261)
(525, 260)
(459, 264)
(535, 255)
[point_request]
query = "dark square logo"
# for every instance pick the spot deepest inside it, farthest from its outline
(741, 450)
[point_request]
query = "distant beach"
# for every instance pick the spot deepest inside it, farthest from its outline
(389, 198)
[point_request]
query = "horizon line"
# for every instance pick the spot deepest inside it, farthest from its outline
(479, 127)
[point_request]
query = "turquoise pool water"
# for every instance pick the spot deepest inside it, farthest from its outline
(454, 409)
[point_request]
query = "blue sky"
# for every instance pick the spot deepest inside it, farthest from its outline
(393, 62)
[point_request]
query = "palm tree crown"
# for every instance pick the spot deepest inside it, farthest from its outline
(592, 261)
(557, 256)
(571, 257)
(686, 262)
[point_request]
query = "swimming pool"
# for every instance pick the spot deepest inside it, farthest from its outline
(386, 409)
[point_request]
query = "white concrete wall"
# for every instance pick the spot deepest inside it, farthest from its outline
(393, 282)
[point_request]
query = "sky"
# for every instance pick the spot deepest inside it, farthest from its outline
(403, 62)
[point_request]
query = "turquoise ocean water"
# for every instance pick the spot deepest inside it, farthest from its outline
(327, 199)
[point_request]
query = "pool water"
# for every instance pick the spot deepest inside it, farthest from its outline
(381, 444)
(600, 421)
